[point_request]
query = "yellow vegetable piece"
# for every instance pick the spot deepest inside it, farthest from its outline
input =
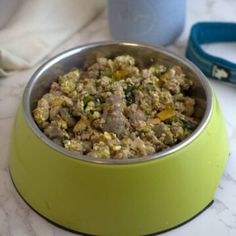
(119, 74)
(116, 147)
(168, 75)
(81, 125)
(107, 136)
(58, 102)
(166, 114)
(165, 76)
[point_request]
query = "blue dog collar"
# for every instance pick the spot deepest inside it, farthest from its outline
(212, 66)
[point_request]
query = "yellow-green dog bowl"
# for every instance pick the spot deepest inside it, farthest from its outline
(118, 197)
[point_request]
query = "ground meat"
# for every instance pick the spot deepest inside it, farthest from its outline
(145, 148)
(173, 85)
(135, 115)
(115, 109)
(189, 106)
(164, 134)
(116, 99)
(115, 121)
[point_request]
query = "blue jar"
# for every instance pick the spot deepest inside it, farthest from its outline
(157, 22)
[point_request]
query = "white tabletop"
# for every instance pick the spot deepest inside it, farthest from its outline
(17, 219)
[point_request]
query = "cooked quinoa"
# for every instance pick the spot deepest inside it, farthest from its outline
(114, 109)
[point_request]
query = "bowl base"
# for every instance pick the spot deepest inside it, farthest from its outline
(85, 234)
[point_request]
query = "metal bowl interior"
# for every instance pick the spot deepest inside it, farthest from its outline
(144, 55)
